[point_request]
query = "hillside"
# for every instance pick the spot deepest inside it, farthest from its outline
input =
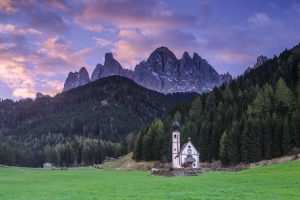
(254, 117)
(127, 163)
(278, 181)
(108, 110)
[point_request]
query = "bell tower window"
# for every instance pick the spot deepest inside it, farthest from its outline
(175, 136)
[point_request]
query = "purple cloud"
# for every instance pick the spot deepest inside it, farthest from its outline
(144, 14)
(48, 20)
(41, 41)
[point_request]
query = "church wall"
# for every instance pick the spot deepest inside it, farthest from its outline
(195, 155)
(175, 149)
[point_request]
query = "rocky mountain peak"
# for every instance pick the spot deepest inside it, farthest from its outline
(110, 67)
(186, 55)
(97, 72)
(84, 76)
(162, 61)
(76, 79)
(83, 70)
(161, 72)
(111, 63)
(109, 57)
(161, 56)
(196, 56)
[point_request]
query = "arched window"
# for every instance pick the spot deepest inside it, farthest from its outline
(175, 136)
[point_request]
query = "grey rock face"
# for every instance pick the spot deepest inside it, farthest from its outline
(111, 67)
(97, 73)
(161, 72)
(76, 79)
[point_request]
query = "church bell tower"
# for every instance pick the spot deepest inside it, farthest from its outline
(176, 145)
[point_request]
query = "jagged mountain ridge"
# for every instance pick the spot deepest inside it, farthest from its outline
(76, 79)
(161, 72)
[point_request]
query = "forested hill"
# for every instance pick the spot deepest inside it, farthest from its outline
(107, 109)
(254, 117)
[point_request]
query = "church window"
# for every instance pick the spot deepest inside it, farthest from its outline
(175, 149)
(174, 136)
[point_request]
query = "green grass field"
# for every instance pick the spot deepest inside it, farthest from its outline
(278, 181)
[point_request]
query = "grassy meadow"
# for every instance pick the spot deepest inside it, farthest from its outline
(277, 181)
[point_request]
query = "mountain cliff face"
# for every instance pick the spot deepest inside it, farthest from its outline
(163, 72)
(111, 67)
(76, 79)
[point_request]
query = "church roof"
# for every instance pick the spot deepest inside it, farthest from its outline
(175, 126)
(183, 146)
(189, 142)
(189, 160)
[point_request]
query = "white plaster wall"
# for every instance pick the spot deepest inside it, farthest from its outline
(175, 149)
(195, 154)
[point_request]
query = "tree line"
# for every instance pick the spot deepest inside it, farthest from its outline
(76, 152)
(104, 113)
(254, 117)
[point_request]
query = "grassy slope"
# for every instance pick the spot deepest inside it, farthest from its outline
(127, 163)
(278, 181)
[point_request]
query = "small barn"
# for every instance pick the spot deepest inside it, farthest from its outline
(48, 165)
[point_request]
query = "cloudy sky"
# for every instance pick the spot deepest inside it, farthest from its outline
(42, 41)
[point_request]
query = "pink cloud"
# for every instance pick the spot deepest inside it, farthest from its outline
(131, 47)
(57, 4)
(51, 87)
(15, 30)
(101, 42)
(14, 73)
(88, 25)
(6, 5)
(24, 93)
(58, 53)
(142, 27)
(230, 57)
(29, 72)
(147, 14)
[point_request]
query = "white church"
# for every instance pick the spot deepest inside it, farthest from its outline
(185, 157)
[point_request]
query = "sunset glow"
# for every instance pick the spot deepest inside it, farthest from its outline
(42, 41)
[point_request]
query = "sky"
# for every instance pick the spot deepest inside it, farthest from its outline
(42, 41)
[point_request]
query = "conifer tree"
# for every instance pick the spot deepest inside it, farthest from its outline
(286, 143)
